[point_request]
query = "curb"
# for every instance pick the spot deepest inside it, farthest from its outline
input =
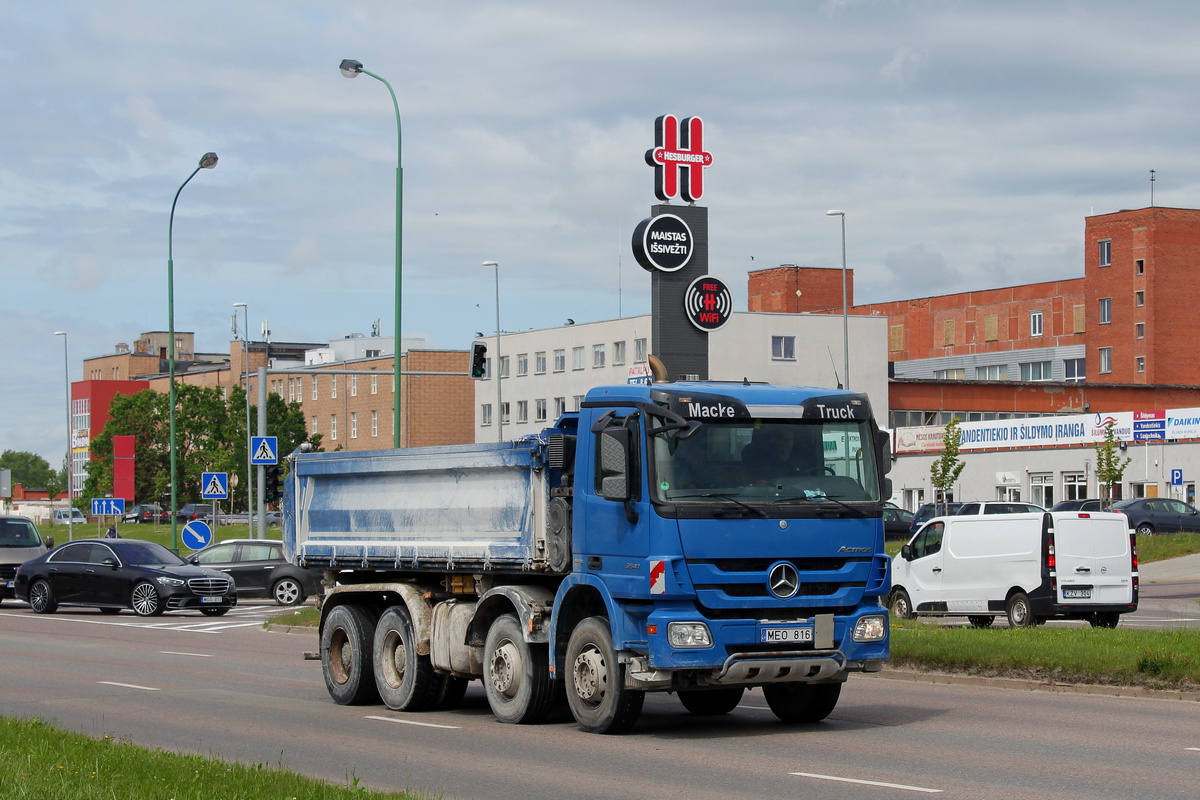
(894, 674)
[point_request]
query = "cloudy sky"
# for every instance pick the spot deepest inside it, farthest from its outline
(966, 142)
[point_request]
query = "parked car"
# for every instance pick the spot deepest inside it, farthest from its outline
(1077, 505)
(998, 507)
(112, 574)
(202, 511)
(1149, 515)
(929, 511)
(19, 542)
(63, 516)
(145, 513)
(896, 522)
(260, 570)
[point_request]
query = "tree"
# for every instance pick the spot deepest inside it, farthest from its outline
(945, 471)
(31, 471)
(1110, 469)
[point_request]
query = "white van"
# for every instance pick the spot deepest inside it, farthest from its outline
(1030, 567)
(62, 516)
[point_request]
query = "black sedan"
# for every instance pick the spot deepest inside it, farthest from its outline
(1148, 515)
(259, 569)
(896, 522)
(145, 513)
(112, 574)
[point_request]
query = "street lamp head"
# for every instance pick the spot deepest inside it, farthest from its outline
(60, 333)
(239, 305)
(350, 68)
(490, 264)
(835, 213)
(209, 160)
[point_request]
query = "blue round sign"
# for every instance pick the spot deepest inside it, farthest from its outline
(197, 535)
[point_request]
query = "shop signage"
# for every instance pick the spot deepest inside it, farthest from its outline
(678, 158)
(664, 243)
(708, 303)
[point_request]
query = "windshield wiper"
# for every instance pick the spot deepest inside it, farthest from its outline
(818, 497)
(727, 498)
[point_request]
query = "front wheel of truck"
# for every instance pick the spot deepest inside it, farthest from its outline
(405, 678)
(346, 656)
(802, 702)
(516, 674)
(596, 681)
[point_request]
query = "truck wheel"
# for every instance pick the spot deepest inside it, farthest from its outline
(1105, 619)
(405, 679)
(451, 693)
(900, 605)
(145, 600)
(596, 689)
(802, 702)
(712, 703)
(1019, 613)
(346, 656)
(981, 621)
(516, 674)
(41, 598)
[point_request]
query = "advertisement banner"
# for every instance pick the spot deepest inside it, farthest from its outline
(1070, 429)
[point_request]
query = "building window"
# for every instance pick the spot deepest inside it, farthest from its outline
(374, 424)
(639, 351)
(597, 356)
(1035, 371)
(333, 391)
(504, 417)
(314, 423)
(1073, 369)
(560, 406)
(950, 374)
(1035, 323)
(1139, 267)
(374, 384)
(503, 366)
(995, 372)
(1074, 486)
(539, 410)
(522, 364)
(577, 358)
(783, 348)
(539, 363)
(354, 386)
(353, 424)
(1139, 330)
(1141, 363)
(1105, 310)
(333, 427)
(895, 338)
(485, 414)
(560, 360)
(300, 389)
(1042, 487)
(1139, 299)
(522, 411)
(618, 354)
(1106, 252)
(1105, 360)
(373, 353)
(578, 401)
(314, 387)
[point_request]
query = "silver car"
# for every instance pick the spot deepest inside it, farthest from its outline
(20, 541)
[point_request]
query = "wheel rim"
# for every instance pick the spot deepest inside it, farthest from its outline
(145, 599)
(1145, 530)
(395, 659)
(1020, 612)
(341, 656)
(590, 675)
(39, 596)
(287, 592)
(504, 670)
(900, 606)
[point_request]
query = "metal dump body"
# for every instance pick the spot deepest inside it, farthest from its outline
(457, 507)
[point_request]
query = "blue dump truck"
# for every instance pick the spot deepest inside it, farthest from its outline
(696, 538)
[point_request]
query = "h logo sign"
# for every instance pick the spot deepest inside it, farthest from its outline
(678, 157)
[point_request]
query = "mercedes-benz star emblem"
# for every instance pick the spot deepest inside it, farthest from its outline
(783, 580)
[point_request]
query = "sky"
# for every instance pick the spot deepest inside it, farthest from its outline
(966, 142)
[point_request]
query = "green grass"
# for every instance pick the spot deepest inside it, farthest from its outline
(40, 761)
(160, 534)
(1165, 659)
(302, 616)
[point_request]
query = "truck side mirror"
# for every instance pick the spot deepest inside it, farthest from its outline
(615, 463)
(883, 451)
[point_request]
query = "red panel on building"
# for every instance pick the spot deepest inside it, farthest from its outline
(123, 468)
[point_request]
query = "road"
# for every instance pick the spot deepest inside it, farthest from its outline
(228, 687)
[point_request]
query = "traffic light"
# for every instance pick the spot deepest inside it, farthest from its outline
(272, 489)
(478, 360)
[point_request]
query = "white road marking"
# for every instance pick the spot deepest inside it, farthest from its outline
(866, 783)
(1197, 749)
(184, 624)
(413, 722)
(130, 686)
(177, 653)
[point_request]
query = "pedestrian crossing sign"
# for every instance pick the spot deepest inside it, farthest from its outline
(264, 450)
(214, 485)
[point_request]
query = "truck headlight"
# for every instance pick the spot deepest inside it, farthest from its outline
(165, 581)
(688, 634)
(870, 629)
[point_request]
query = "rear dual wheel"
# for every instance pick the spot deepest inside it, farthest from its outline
(405, 678)
(346, 656)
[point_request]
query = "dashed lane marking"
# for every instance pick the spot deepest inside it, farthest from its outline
(880, 784)
(413, 722)
(130, 686)
(177, 653)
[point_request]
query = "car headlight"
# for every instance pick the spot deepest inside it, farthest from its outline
(688, 634)
(165, 581)
(870, 629)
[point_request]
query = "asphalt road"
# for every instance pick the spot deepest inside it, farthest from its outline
(227, 687)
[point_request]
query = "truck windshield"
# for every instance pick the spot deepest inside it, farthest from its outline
(767, 461)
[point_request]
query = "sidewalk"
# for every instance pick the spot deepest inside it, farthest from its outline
(1186, 568)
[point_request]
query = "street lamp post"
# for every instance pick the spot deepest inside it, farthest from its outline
(351, 68)
(499, 403)
(845, 316)
(70, 445)
(246, 375)
(208, 161)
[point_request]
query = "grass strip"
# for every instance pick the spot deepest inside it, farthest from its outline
(42, 762)
(1161, 659)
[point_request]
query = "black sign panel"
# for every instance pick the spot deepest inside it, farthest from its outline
(708, 303)
(663, 243)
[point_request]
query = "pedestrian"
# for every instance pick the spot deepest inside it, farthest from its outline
(111, 533)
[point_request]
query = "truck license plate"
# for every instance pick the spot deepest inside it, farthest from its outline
(785, 635)
(1081, 593)
(210, 599)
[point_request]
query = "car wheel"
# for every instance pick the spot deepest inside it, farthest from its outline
(1105, 619)
(41, 598)
(1019, 613)
(981, 621)
(288, 592)
(900, 605)
(214, 612)
(145, 600)
(1145, 529)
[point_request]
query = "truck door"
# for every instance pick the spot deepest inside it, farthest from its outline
(925, 570)
(615, 531)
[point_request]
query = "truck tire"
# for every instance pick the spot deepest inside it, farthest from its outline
(1020, 615)
(802, 702)
(451, 693)
(405, 679)
(516, 674)
(346, 656)
(712, 703)
(596, 689)
(41, 597)
(900, 605)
